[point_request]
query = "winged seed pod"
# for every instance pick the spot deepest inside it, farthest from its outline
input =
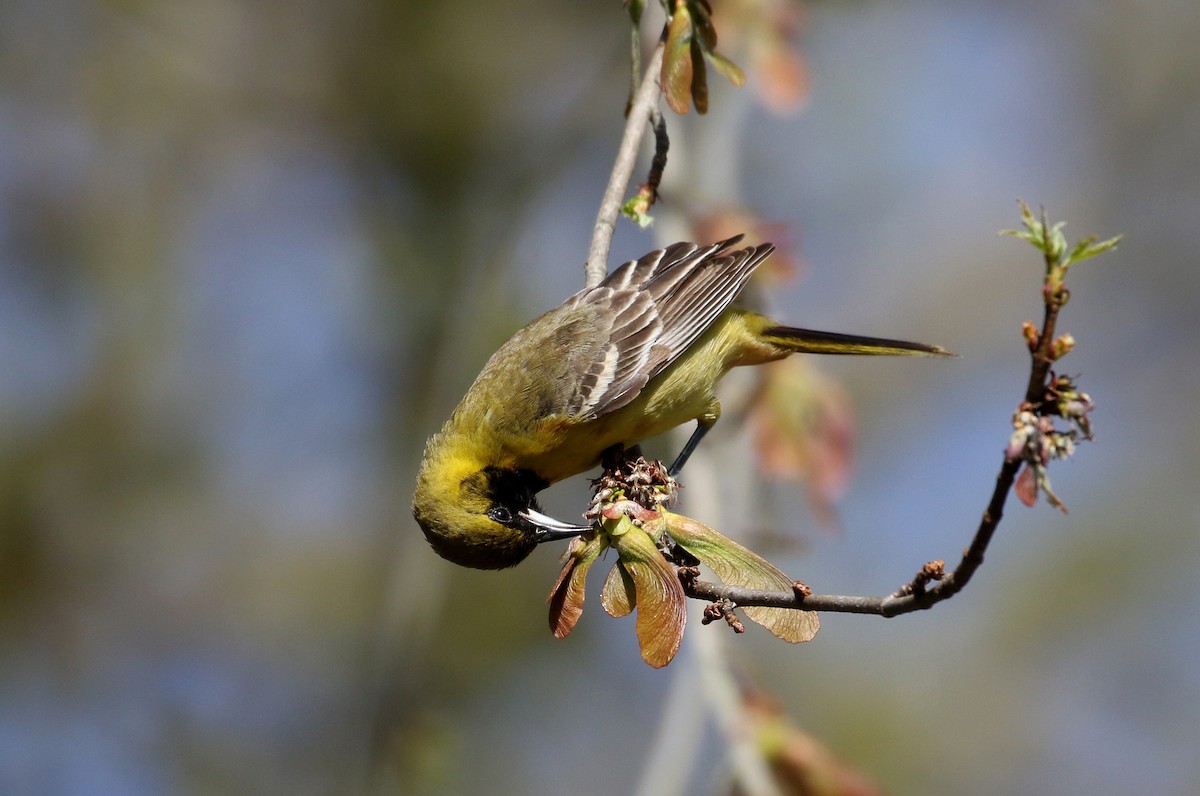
(736, 565)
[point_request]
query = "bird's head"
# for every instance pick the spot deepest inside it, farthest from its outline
(486, 518)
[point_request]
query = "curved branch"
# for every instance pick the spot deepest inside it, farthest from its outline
(914, 596)
(917, 595)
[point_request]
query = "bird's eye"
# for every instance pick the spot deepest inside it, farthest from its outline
(501, 514)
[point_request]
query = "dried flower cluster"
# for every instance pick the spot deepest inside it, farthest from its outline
(1037, 439)
(656, 547)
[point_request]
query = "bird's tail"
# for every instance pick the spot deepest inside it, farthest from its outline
(807, 341)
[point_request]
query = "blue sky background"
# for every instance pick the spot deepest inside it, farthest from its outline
(251, 255)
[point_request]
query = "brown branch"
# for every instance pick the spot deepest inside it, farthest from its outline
(916, 595)
(638, 207)
(644, 102)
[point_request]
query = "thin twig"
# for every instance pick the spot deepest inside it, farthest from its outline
(644, 103)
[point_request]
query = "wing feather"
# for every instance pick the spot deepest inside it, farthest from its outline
(651, 310)
(636, 273)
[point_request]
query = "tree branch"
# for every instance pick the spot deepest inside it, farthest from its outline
(916, 595)
(644, 102)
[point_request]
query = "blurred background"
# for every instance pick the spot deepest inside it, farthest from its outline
(251, 254)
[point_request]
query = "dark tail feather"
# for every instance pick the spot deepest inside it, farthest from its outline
(807, 341)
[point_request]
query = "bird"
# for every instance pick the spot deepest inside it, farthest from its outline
(617, 363)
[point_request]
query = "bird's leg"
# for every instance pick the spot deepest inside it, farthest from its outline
(686, 453)
(703, 424)
(616, 455)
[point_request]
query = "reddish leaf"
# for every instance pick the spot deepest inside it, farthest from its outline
(677, 61)
(799, 762)
(804, 431)
(1026, 487)
(566, 598)
(661, 603)
(727, 220)
(781, 74)
(619, 596)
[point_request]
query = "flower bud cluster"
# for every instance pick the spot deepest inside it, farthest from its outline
(636, 488)
(1036, 439)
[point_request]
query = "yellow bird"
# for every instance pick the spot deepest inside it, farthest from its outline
(629, 359)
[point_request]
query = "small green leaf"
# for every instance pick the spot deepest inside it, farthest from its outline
(735, 565)
(636, 7)
(1043, 481)
(728, 68)
(1034, 233)
(661, 603)
(1079, 252)
(1028, 237)
(1053, 243)
(1029, 220)
(1056, 242)
(635, 210)
(1089, 248)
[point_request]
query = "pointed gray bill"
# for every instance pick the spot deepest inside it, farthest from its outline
(547, 529)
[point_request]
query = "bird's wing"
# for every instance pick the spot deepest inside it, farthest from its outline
(650, 310)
